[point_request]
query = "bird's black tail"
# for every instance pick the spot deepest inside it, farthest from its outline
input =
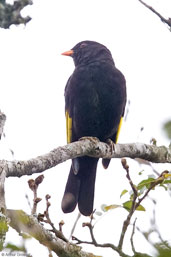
(80, 187)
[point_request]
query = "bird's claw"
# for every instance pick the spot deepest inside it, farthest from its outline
(93, 139)
(111, 144)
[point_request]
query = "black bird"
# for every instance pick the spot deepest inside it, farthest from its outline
(95, 98)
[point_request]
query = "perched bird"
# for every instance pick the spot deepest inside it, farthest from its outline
(95, 98)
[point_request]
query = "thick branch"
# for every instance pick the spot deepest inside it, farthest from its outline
(22, 222)
(2, 170)
(10, 14)
(167, 21)
(2, 191)
(86, 146)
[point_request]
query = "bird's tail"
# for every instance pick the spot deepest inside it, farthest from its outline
(70, 198)
(80, 187)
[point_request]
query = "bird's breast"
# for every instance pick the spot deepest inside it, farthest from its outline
(95, 98)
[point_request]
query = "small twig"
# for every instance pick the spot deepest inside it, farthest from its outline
(75, 224)
(127, 110)
(153, 184)
(28, 201)
(167, 21)
(133, 207)
(50, 253)
(132, 235)
(126, 167)
(61, 223)
(89, 225)
(154, 170)
(33, 185)
(93, 240)
(81, 241)
(106, 245)
(41, 217)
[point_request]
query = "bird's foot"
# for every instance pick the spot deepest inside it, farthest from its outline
(93, 139)
(111, 144)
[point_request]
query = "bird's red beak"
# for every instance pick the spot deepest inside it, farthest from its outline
(68, 53)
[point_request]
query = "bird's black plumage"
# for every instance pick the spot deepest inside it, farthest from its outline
(95, 97)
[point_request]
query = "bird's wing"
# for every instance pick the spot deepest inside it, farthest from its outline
(119, 129)
(68, 127)
(68, 115)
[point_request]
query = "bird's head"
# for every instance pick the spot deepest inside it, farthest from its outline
(87, 52)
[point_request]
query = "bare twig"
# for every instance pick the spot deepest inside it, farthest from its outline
(167, 21)
(75, 224)
(61, 223)
(126, 167)
(28, 201)
(132, 235)
(133, 207)
(106, 245)
(33, 184)
(89, 225)
(94, 242)
(46, 219)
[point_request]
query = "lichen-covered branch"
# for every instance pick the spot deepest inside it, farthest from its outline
(86, 146)
(2, 169)
(23, 222)
(2, 191)
(166, 21)
(3, 229)
(10, 13)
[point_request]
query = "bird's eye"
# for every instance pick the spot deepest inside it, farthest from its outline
(83, 45)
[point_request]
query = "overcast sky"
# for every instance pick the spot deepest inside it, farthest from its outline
(34, 75)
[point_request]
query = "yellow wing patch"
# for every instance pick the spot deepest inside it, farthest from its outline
(68, 127)
(119, 129)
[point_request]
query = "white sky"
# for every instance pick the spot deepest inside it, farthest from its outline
(33, 78)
